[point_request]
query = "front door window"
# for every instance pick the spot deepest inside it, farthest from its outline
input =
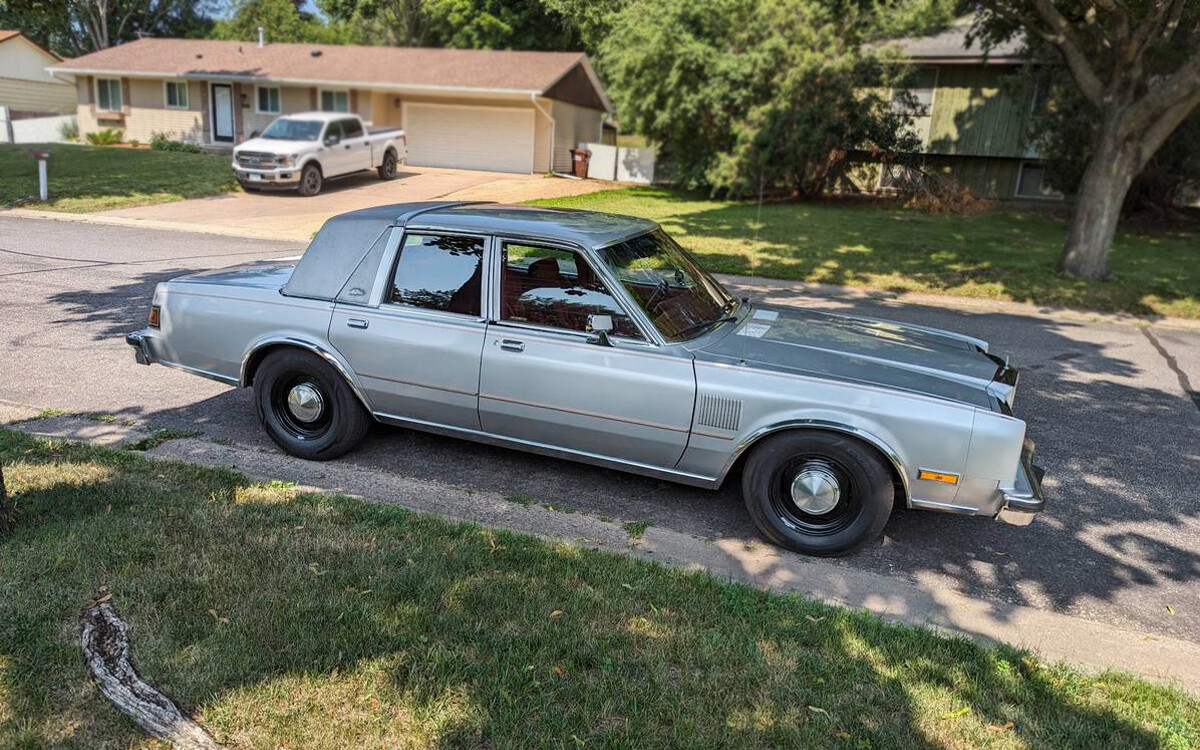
(556, 288)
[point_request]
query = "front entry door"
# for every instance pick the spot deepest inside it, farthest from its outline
(222, 109)
(543, 382)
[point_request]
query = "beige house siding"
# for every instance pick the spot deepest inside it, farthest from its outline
(24, 83)
(31, 96)
(573, 125)
(146, 112)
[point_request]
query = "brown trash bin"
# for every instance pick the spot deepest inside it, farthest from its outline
(580, 158)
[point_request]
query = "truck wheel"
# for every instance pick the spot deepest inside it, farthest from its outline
(387, 170)
(818, 493)
(306, 406)
(310, 180)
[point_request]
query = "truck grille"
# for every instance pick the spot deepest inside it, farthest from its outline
(255, 159)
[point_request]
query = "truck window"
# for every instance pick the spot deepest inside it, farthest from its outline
(352, 128)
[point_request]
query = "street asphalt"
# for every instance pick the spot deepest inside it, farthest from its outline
(1114, 409)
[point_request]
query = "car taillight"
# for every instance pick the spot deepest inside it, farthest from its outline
(155, 315)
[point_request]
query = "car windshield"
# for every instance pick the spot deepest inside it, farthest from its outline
(285, 129)
(678, 296)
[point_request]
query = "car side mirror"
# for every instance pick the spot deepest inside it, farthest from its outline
(332, 140)
(600, 326)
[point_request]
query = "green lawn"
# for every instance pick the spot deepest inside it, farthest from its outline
(1005, 255)
(96, 178)
(299, 621)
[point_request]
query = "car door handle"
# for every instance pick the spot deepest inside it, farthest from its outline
(357, 323)
(511, 345)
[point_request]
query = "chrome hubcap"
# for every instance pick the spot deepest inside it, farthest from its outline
(815, 489)
(305, 403)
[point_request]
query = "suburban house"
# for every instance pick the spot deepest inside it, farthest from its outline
(507, 111)
(25, 86)
(969, 128)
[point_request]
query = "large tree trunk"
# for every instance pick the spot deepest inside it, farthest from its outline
(1106, 180)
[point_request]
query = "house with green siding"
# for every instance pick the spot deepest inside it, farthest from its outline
(969, 128)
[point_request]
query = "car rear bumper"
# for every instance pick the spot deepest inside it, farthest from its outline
(1024, 500)
(142, 350)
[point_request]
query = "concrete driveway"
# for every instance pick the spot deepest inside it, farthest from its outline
(1109, 404)
(287, 215)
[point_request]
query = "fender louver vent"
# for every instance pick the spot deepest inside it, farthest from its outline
(719, 412)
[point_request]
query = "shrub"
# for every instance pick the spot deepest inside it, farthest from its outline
(106, 137)
(134, 142)
(162, 142)
(936, 193)
(69, 130)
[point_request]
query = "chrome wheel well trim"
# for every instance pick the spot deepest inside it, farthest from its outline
(752, 439)
(258, 351)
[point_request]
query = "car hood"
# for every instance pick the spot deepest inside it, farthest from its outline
(863, 350)
(274, 146)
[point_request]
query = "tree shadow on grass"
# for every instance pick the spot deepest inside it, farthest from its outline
(322, 622)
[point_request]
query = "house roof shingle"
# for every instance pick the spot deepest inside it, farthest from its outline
(951, 46)
(419, 67)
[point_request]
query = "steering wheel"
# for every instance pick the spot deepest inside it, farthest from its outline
(660, 290)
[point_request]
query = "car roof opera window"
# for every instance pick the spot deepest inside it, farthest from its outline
(439, 272)
(556, 288)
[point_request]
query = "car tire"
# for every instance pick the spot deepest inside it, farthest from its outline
(307, 407)
(311, 180)
(388, 170)
(819, 493)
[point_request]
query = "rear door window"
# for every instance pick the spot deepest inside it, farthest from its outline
(439, 272)
(352, 128)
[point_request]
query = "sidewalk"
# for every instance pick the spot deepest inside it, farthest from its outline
(1054, 636)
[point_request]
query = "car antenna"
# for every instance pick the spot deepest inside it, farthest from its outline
(753, 261)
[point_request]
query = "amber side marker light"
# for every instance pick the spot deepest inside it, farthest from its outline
(155, 314)
(937, 476)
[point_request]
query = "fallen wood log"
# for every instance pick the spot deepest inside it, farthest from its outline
(106, 647)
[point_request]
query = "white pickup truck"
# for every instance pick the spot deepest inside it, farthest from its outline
(301, 151)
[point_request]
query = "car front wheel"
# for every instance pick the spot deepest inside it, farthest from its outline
(310, 180)
(819, 493)
(306, 406)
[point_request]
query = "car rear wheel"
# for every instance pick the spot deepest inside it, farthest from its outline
(819, 493)
(310, 180)
(306, 406)
(388, 170)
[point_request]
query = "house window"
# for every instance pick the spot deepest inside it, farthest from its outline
(268, 100)
(915, 101)
(108, 94)
(177, 94)
(1031, 183)
(335, 101)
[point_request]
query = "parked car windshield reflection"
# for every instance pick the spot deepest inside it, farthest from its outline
(284, 129)
(678, 296)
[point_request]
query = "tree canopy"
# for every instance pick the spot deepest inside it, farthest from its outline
(77, 27)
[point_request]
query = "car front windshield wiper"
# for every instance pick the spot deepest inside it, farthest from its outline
(706, 325)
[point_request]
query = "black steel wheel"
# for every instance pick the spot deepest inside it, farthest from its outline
(389, 169)
(310, 180)
(819, 493)
(306, 406)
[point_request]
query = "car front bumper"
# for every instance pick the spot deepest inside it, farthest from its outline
(142, 351)
(1024, 500)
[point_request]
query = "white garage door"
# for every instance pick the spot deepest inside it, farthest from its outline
(496, 139)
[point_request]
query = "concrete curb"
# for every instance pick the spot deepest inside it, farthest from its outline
(167, 226)
(1054, 636)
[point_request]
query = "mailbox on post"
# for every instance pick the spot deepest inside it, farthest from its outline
(42, 158)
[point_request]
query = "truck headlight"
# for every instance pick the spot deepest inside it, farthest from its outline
(285, 161)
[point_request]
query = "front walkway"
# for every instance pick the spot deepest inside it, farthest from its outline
(288, 216)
